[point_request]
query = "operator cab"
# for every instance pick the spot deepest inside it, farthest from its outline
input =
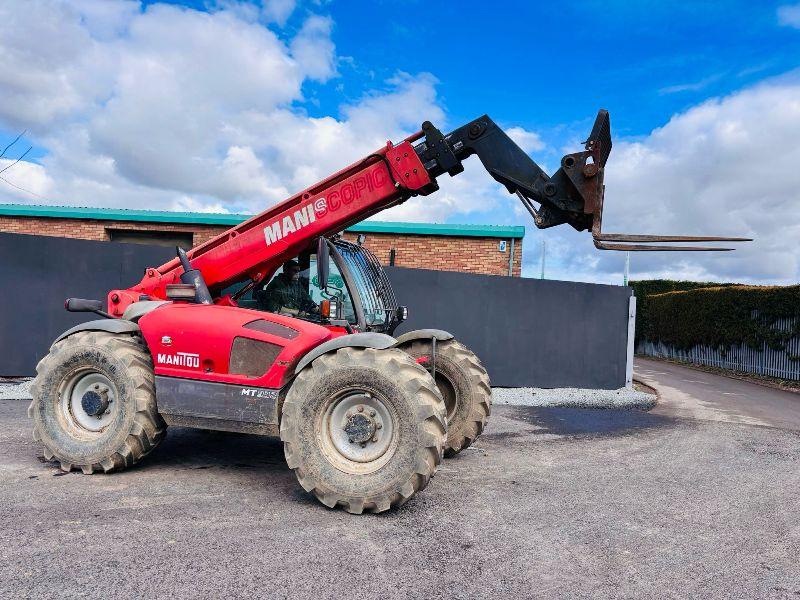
(357, 295)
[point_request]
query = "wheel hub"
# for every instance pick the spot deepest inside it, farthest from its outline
(88, 402)
(358, 431)
(360, 428)
(95, 402)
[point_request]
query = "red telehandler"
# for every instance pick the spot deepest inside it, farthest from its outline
(365, 418)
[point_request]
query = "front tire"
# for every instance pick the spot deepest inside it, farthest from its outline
(94, 405)
(363, 429)
(464, 385)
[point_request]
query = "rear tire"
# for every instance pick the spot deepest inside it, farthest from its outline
(94, 404)
(464, 385)
(363, 429)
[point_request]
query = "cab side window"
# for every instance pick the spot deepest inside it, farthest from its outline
(337, 290)
(297, 293)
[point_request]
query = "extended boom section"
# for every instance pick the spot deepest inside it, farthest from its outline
(258, 246)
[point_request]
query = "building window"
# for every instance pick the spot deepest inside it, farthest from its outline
(152, 238)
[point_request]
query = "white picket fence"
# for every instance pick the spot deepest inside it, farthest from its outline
(764, 361)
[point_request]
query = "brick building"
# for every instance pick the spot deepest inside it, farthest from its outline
(488, 249)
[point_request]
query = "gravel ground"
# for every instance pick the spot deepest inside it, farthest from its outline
(574, 398)
(15, 390)
(549, 502)
(565, 397)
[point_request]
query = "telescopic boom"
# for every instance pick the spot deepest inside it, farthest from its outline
(390, 176)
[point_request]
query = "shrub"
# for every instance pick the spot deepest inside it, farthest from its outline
(644, 289)
(720, 317)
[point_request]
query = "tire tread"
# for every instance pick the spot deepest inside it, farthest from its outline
(432, 426)
(462, 437)
(148, 430)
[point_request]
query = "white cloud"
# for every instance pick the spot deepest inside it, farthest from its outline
(26, 175)
(472, 191)
(167, 107)
(47, 57)
(106, 19)
(789, 15)
(691, 87)
(400, 112)
(313, 49)
(189, 204)
(147, 107)
(527, 140)
(277, 11)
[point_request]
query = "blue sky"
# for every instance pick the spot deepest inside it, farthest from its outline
(697, 70)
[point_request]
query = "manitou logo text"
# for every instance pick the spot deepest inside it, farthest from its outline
(359, 188)
(291, 223)
(179, 359)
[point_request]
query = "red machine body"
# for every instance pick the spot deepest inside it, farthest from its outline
(224, 344)
(201, 342)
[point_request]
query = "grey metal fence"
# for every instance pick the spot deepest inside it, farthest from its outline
(762, 361)
(528, 332)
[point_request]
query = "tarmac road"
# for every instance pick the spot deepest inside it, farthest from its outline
(550, 502)
(696, 394)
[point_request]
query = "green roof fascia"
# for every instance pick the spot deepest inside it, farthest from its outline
(493, 231)
(120, 214)
(199, 218)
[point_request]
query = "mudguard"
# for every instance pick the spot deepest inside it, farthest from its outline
(137, 310)
(110, 325)
(381, 341)
(424, 334)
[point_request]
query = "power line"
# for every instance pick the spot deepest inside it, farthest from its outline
(16, 139)
(22, 188)
(24, 154)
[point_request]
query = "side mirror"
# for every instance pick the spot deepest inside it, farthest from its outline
(323, 268)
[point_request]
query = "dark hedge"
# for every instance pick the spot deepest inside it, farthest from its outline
(720, 316)
(650, 287)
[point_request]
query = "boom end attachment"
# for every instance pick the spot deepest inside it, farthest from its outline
(582, 177)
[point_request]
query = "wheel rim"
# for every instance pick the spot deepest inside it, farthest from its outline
(88, 402)
(448, 392)
(358, 431)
